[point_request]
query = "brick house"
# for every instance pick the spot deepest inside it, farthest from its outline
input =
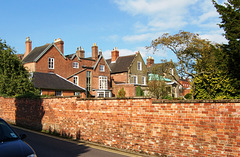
(92, 73)
(185, 87)
(165, 72)
(127, 72)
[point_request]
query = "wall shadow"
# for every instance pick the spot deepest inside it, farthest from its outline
(29, 113)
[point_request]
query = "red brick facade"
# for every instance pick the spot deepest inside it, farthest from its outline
(186, 87)
(160, 128)
(63, 66)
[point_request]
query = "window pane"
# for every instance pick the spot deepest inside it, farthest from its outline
(75, 80)
(102, 68)
(139, 65)
(58, 93)
(51, 63)
(75, 65)
(103, 82)
(88, 80)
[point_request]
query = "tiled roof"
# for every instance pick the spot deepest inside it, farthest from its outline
(122, 64)
(34, 54)
(53, 81)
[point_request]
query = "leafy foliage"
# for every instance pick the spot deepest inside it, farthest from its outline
(139, 91)
(14, 79)
(121, 93)
(157, 88)
(190, 50)
(230, 15)
(214, 86)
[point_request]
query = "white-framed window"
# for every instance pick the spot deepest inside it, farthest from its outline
(101, 68)
(134, 79)
(50, 63)
(75, 65)
(88, 80)
(103, 82)
(143, 80)
(75, 80)
(58, 93)
(104, 94)
(139, 65)
(77, 93)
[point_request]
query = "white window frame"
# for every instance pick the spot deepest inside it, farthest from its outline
(101, 68)
(139, 66)
(103, 83)
(104, 94)
(50, 63)
(133, 79)
(75, 65)
(75, 80)
(77, 93)
(88, 81)
(143, 80)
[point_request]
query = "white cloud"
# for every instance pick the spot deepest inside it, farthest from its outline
(161, 14)
(215, 36)
(150, 52)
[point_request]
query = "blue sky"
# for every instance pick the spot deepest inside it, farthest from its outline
(129, 25)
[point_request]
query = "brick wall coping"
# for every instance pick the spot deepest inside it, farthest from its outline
(114, 98)
(197, 101)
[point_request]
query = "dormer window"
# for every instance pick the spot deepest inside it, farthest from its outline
(50, 63)
(75, 65)
(139, 66)
(102, 68)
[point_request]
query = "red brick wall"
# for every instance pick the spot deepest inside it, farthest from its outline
(164, 128)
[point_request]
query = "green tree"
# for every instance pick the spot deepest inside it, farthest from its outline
(230, 15)
(215, 84)
(190, 50)
(14, 79)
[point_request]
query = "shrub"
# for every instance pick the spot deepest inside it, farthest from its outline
(139, 91)
(121, 93)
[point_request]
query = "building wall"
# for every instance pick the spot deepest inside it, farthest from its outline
(120, 77)
(64, 68)
(64, 93)
(30, 67)
(130, 89)
(179, 128)
(60, 67)
(134, 71)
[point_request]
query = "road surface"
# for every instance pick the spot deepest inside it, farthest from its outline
(49, 146)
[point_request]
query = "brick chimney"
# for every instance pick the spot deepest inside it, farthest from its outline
(150, 61)
(59, 43)
(114, 55)
(80, 52)
(95, 51)
(28, 47)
